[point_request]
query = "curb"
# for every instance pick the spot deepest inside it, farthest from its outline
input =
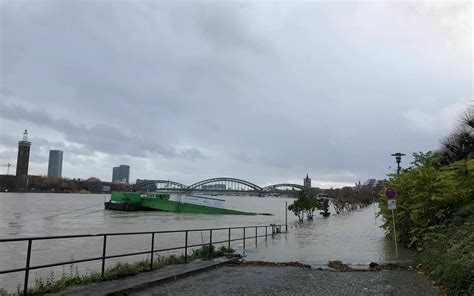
(167, 279)
(146, 280)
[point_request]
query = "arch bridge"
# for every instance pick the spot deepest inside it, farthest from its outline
(282, 186)
(148, 185)
(224, 183)
(221, 185)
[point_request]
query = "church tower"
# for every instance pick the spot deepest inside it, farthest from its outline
(307, 181)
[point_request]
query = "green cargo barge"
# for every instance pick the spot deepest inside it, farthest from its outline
(134, 201)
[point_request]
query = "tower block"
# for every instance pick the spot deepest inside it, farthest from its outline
(22, 162)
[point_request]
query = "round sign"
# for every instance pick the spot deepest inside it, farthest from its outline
(390, 193)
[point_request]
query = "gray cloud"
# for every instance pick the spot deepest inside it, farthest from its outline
(262, 91)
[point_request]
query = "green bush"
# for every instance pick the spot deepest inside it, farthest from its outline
(427, 195)
(435, 215)
(447, 252)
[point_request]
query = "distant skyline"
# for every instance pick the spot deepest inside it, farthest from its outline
(261, 91)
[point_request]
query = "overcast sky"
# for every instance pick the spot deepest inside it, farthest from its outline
(263, 91)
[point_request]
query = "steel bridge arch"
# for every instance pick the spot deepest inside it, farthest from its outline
(151, 182)
(274, 186)
(223, 179)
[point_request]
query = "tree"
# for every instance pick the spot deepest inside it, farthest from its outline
(93, 184)
(460, 144)
(343, 199)
(297, 208)
(325, 208)
(305, 204)
(365, 197)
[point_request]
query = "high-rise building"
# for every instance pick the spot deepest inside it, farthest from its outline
(55, 164)
(307, 181)
(121, 174)
(23, 161)
(115, 174)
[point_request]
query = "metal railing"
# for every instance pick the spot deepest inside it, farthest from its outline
(274, 227)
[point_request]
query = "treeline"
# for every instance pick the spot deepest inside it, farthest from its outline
(435, 208)
(92, 185)
(349, 199)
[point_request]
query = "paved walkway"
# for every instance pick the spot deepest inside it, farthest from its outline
(145, 280)
(264, 280)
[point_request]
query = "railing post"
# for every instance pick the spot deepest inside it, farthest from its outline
(256, 238)
(210, 243)
(266, 232)
(244, 238)
(228, 245)
(27, 271)
(104, 247)
(152, 249)
(186, 247)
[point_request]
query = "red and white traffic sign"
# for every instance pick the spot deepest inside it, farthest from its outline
(390, 193)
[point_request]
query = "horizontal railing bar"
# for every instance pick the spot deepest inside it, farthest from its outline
(12, 270)
(125, 255)
(126, 233)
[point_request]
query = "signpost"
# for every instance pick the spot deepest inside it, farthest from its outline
(391, 194)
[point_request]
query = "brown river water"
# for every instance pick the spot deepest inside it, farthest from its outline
(354, 238)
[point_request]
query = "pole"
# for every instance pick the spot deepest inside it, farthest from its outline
(104, 247)
(394, 233)
(256, 236)
(210, 243)
(286, 216)
(375, 214)
(27, 271)
(153, 250)
(186, 247)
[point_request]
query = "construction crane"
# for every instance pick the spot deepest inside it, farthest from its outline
(8, 165)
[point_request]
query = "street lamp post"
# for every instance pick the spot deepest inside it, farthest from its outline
(398, 158)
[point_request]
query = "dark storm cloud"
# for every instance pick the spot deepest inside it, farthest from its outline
(99, 137)
(262, 91)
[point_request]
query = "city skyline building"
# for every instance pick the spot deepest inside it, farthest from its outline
(121, 174)
(55, 164)
(22, 161)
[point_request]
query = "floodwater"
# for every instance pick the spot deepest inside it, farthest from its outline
(353, 237)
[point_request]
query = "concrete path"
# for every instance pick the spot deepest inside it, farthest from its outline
(264, 280)
(145, 280)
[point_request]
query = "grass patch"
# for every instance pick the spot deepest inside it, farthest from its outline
(447, 252)
(119, 270)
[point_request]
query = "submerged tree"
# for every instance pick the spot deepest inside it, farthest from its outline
(305, 204)
(297, 208)
(325, 208)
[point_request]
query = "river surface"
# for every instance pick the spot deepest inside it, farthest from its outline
(354, 238)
